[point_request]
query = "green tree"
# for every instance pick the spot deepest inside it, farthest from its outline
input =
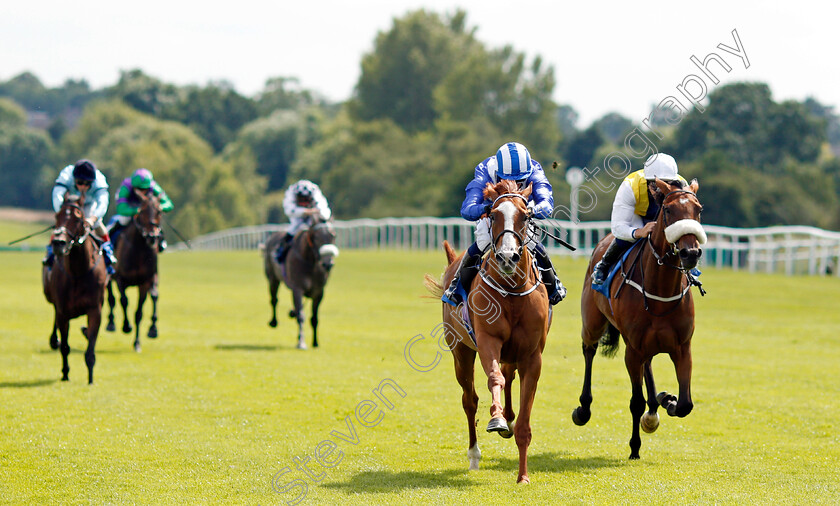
(24, 156)
(144, 93)
(11, 114)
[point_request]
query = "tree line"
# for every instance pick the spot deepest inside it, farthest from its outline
(431, 102)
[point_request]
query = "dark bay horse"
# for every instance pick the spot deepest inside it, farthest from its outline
(75, 284)
(509, 312)
(137, 265)
(305, 272)
(653, 312)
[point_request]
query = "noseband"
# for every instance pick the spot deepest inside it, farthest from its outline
(149, 235)
(63, 230)
(674, 250)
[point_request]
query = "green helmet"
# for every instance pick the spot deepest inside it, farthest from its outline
(142, 179)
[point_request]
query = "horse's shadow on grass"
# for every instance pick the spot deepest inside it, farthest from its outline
(394, 481)
(28, 384)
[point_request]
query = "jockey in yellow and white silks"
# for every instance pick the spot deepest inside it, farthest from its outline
(512, 161)
(634, 209)
(302, 202)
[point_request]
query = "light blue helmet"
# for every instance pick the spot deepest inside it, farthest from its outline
(513, 161)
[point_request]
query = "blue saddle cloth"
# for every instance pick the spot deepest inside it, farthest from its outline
(604, 288)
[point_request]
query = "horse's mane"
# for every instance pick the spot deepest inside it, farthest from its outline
(502, 187)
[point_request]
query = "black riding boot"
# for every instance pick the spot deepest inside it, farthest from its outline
(602, 268)
(466, 273)
(283, 249)
(556, 290)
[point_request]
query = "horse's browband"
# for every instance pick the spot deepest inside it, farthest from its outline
(500, 197)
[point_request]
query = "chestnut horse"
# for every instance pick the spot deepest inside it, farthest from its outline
(654, 313)
(305, 272)
(137, 265)
(75, 284)
(509, 312)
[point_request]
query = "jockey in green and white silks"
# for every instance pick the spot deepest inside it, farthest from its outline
(634, 209)
(512, 161)
(302, 202)
(129, 197)
(84, 178)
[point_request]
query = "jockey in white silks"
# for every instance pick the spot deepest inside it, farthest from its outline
(302, 202)
(84, 178)
(512, 161)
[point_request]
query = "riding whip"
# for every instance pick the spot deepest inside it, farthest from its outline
(31, 235)
(177, 233)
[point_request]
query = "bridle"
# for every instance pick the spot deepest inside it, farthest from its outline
(521, 244)
(153, 233)
(311, 243)
(75, 239)
(674, 250)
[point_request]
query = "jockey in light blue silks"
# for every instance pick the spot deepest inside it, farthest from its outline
(512, 161)
(634, 209)
(302, 201)
(85, 178)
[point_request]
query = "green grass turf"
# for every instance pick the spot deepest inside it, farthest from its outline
(219, 404)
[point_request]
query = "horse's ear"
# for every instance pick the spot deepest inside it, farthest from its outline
(694, 186)
(490, 192)
(527, 191)
(664, 187)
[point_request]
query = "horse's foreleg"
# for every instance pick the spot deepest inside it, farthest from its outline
(273, 285)
(63, 325)
(111, 303)
(529, 375)
(138, 316)
(94, 321)
(682, 364)
(582, 413)
(490, 349)
(153, 294)
(633, 361)
(297, 299)
(509, 372)
(650, 420)
(465, 374)
(316, 301)
(54, 336)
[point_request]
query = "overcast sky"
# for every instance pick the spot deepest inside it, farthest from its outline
(607, 56)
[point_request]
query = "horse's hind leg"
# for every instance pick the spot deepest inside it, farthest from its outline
(126, 328)
(465, 374)
(634, 362)
(94, 321)
(316, 301)
(111, 303)
(594, 325)
(650, 420)
(138, 316)
(509, 372)
(273, 285)
(153, 294)
(297, 300)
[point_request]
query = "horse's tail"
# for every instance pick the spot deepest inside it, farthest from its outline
(450, 253)
(609, 341)
(433, 286)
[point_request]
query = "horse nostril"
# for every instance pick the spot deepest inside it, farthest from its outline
(683, 253)
(515, 258)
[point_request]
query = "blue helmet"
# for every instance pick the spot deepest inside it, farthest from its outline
(513, 161)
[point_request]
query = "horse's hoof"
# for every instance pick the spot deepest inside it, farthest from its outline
(664, 398)
(84, 333)
(126, 329)
(292, 314)
(301, 346)
(524, 480)
(111, 327)
(65, 379)
(579, 417)
(634, 456)
(152, 332)
(497, 425)
(507, 434)
(138, 348)
(53, 343)
(650, 422)
(273, 323)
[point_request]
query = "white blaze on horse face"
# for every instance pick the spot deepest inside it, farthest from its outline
(508, 246)
(676, 230)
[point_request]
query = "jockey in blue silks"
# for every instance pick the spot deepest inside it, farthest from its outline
(512, 161)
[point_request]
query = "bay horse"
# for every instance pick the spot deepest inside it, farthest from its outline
(509, 312)
(75, 284)
(654, 312)
(137, 265)
(306, 271)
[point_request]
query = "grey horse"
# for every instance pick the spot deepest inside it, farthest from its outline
(305, 271)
